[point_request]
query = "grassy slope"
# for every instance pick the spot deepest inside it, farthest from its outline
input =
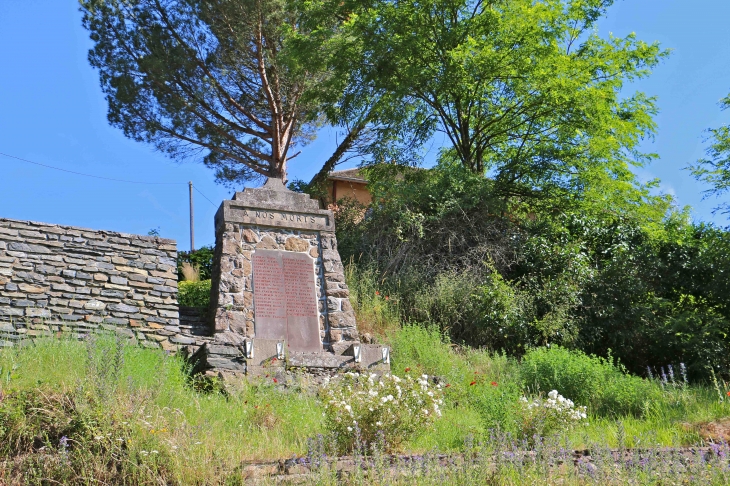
(134, 409)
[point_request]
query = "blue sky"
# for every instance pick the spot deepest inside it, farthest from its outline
(53, 112)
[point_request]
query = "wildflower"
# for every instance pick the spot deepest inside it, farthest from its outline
(728, 393)
(377, 293)
(387, 298)
(448, 385)
(494, 383)
(407, 370)
(472, 383)
(154, 452)
(276, 381)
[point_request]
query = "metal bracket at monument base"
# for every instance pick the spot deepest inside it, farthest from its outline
(264, 357)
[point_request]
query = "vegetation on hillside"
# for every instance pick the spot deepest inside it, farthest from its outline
(104, 411)
(635, 280)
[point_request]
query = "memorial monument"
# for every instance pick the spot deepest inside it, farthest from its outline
(278, 291)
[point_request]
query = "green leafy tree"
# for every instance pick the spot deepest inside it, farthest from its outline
(524, 91)
(206, 77)
(715, 168)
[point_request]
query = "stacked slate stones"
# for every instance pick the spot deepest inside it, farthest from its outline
(61, 278)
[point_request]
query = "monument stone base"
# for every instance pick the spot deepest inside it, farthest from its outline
(278, 294)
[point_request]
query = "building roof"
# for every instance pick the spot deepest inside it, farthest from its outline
(350, 175)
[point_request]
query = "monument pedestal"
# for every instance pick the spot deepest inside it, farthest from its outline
(278, 277)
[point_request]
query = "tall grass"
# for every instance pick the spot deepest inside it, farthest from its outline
(136, 408)
(104, 411)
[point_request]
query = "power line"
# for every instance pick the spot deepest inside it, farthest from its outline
(89, 175)
(104, 178)
(206, 197)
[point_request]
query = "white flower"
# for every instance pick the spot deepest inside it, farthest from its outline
(553, 394)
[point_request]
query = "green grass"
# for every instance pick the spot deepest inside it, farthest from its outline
(125, 402)
(134, 416)
(145, 401)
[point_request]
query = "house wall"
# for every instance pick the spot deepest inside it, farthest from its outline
(347, 189)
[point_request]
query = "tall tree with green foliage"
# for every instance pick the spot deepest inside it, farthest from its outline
(523, 90)
(715, 168)
(206, 77)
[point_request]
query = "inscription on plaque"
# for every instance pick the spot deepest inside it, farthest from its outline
(285, 299)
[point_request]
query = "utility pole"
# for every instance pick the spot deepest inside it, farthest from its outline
(192, 221)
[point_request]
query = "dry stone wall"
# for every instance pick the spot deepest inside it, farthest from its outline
(60, 278)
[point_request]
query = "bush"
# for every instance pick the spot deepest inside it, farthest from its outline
(597, 382)
(194, 294)
(542, 417)
(359, 408)
(201, 258)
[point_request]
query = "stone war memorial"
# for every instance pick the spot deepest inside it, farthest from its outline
(278, 292)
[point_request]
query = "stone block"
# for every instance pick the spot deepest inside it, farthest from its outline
(267, 243)
(296, 244)
(129, 309)
(31, 289)
(36, 312)
(95, 305)
(10, 312)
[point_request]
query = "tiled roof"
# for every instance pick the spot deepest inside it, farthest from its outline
(347, 175)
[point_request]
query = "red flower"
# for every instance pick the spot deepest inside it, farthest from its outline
(387, 298)
(273, 359)
(494, 383)
(728, 393)
(407, 370)
(377, 293)
(448, 385)
(472, 383)
(276, 381)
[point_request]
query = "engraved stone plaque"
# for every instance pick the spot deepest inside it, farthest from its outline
(285, 299)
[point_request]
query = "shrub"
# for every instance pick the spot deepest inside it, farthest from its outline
(201, 258)
(424, 349)
(605, 387)
(194, 294)
(542, 417)
(497, 403)
(359, 408)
